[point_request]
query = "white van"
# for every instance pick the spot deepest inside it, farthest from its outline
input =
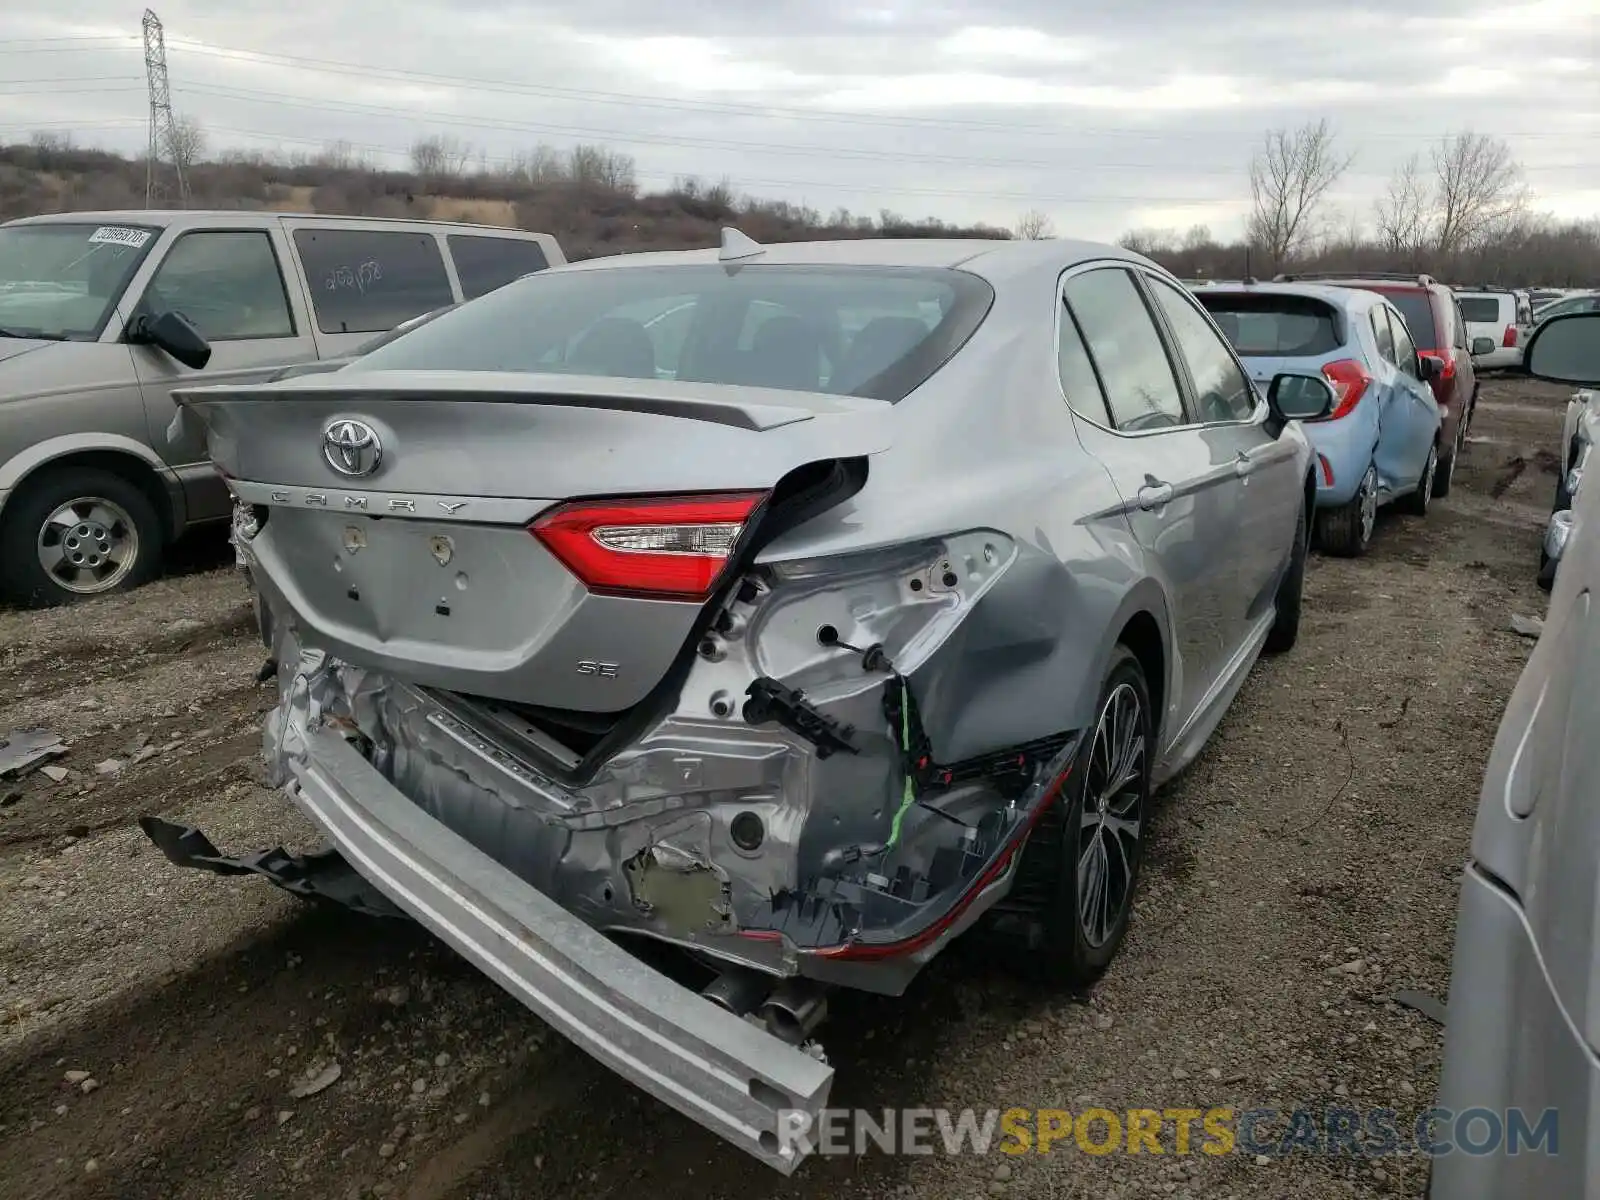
(1501, 315)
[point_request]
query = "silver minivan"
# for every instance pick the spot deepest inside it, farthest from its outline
(103, 314)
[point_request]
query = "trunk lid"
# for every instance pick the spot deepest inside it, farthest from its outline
(404, 544)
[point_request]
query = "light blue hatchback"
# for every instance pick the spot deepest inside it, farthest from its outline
(1380, 444)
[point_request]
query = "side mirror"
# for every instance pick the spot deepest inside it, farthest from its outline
(174, 333)
(1430, 367)
(1482, 346)
(1295, 397)
(1565, 349)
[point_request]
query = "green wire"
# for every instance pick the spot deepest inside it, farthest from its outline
(908, 795)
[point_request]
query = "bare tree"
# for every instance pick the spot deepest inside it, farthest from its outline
(1198, 237)
(441, 156)
(1478, 191)
(1152, 243)
(1290, 177)
(1403, 211)
(597, 167)
(1035, 226)
(187, 142)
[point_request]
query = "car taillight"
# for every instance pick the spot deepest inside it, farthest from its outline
(668, 548)
(1510, 338)
(1350, 381)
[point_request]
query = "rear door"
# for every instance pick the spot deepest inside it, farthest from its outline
(230, 284)
(1180, 493)
(1408, 421)
(1267, 481)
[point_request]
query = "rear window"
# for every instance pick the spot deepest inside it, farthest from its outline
(876, 332)
(1480, 310)
(1417, 309)
(1262, 325)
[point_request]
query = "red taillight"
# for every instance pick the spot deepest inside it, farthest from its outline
(668, 548)
(1350, 381)
(1510, 338)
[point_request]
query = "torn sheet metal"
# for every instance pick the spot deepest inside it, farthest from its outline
(23, 749)
(321, 876)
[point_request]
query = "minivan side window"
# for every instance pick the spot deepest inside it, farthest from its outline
(226, 282)
(485, 262)
(369, 280)
(1141, 389)
(1459, 334)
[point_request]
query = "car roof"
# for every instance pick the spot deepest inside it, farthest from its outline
(247, 218)
(995, 259)
(1358, 299)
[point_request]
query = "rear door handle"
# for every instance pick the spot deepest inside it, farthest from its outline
(1155, 495)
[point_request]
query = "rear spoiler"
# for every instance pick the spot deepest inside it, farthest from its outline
(750, 408)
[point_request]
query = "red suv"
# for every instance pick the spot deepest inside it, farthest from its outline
(1438, 328)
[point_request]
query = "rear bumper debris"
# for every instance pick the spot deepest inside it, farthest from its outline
(717, 1069)
(324, 875)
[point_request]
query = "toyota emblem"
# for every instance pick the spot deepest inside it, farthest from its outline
(352, 447)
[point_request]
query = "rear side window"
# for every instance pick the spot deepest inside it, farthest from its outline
(1263, 325)
(485, 262)
(1078, 380)
(370, 280)
(1382, 334)
(1141, 390)
(1480, 310)
(876, 332)
(1417, 309)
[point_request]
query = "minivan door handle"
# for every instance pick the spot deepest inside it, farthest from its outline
(1154, 493)
(1243, 464)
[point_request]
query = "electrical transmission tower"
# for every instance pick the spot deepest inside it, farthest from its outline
(164, 142)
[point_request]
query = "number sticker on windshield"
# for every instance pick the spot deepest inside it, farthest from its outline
(118, 235)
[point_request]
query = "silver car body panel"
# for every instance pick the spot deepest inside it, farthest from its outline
(973, 574)
(1524, 1011)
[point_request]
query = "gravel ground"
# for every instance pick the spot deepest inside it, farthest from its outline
(155, 1022)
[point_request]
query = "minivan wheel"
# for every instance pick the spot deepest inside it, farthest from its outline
(1087, 848)
(77, 532)
(1347, 530)
(1446, 473)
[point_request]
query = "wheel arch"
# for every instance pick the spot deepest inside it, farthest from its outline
(1142, 625)
(122, 456)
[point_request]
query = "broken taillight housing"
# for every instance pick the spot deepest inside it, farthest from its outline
(1350, 381)
(668, 548)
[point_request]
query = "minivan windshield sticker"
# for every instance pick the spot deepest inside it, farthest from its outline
(118, 235)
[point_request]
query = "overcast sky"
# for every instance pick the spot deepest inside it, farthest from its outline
(1140, 113)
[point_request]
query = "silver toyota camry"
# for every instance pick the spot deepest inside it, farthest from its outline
(789, 609)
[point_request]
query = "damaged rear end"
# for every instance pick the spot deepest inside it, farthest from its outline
(546, 686)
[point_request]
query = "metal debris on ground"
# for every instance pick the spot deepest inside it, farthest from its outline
(22, 749)
(320, 1082)
(1528, 627)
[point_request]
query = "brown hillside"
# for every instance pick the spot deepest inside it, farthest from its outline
(589, 216)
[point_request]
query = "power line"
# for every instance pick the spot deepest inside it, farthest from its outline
(631, 100)
(823, 185)
(624, 137)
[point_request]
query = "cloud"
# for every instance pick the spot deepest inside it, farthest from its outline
(1144, 112)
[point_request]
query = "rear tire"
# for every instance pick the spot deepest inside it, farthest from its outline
(1285, 629)
(1417, 502)
(1346, 531)
(1087, 848)
(101, 532)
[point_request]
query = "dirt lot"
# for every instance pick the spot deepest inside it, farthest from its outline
(1326, 824)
